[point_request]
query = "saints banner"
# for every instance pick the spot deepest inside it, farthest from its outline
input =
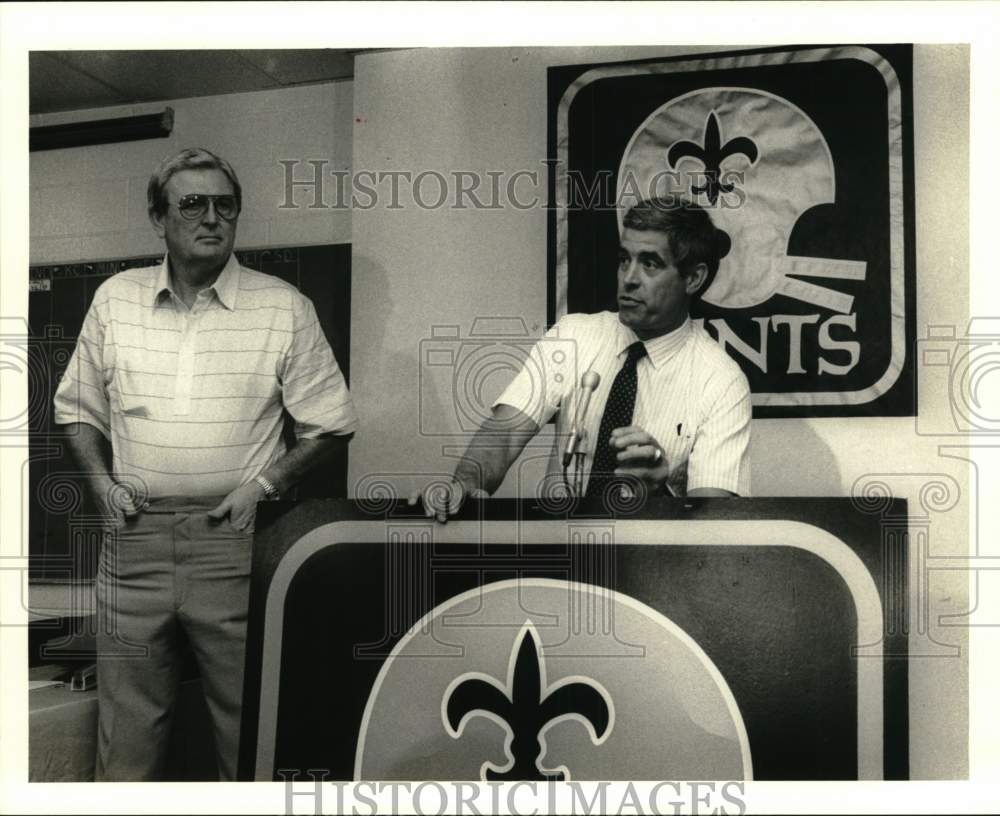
(804, 158)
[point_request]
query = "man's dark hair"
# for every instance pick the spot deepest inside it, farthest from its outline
(691, 235)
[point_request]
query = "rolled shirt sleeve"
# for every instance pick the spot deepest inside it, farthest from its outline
(548, 372)
(82, 394)
(720, 455)
(314, 391)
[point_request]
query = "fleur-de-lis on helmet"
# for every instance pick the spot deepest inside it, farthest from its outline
(526, 708)
(711, 155)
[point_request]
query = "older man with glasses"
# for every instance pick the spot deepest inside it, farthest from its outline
(182, 379)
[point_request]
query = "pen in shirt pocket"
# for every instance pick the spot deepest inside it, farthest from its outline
(683, 437)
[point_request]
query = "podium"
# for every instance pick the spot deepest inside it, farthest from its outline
(670, 639)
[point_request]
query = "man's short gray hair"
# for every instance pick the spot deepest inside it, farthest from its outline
(191, 158)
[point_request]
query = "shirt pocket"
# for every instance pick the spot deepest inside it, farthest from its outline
(677, 446)
(677, 450)
(140, 378)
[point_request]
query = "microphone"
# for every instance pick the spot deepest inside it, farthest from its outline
(588, 384)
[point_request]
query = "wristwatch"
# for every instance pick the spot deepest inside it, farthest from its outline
(270, 491)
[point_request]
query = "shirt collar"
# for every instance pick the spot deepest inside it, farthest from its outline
(660, 349)
(162, 281)
(225, 286)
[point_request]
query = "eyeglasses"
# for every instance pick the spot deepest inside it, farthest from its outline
(194, 206)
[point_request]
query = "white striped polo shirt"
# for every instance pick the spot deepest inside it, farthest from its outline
(193, 401)
(692, 397)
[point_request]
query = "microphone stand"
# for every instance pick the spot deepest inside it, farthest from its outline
(579, 457)
(576, 448)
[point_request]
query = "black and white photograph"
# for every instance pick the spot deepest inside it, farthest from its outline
(423, 416)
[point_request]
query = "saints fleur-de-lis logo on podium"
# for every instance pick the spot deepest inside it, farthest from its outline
(526, 707)
(711, 154)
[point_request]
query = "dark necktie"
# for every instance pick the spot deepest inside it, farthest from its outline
(617, 414)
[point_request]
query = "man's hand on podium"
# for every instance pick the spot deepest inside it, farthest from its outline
(443, 500)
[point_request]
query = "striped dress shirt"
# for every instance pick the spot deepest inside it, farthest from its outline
(692, 397)
(193, 400)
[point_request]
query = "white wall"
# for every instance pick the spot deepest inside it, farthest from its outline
(416, 268)
(89, 203)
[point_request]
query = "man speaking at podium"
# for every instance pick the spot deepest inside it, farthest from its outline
(659, 400)
(178, 391)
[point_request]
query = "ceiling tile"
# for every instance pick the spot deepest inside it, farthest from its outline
(75, 80)
(55, 86)
(150, 75)
(291, 67)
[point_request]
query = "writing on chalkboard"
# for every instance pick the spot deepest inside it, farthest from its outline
(253, 258)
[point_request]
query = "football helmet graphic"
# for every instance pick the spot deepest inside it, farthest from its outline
(757, 163)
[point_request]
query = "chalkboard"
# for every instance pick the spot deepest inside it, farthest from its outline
(64, 532)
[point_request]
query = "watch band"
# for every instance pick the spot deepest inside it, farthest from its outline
(270, 491)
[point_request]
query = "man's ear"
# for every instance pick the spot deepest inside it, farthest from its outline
(157, 221)
(695, 278)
